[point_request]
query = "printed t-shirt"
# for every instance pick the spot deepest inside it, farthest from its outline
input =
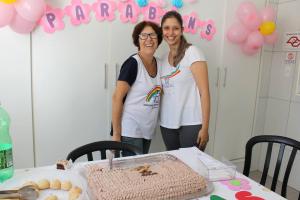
(180, 104)
(140, 111)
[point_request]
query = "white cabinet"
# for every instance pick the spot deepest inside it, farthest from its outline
(70, 89)
(15, 93)
(237, 86)
(120, 48)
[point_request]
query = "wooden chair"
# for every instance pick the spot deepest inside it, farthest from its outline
(102, 146)
(271, 139)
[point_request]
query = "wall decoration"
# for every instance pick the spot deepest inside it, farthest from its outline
(7, 12)
(245, 195)
(209, 29)
(52, 20)
(129, 11)
(23, 19)
(237, 184)
(253, 29)
(104, 10)
(291, 41)
(191, 23)
(8, 1)
(30, 10)
(78, 12)
(21, 25)
(152, 12)
(177, 3)
(142, 3)
(290, 58)
(22, 15)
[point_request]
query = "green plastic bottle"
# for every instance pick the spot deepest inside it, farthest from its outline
(6, 157)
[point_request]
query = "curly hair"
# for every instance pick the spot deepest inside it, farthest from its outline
(140, 27)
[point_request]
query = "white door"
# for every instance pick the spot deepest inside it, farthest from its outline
(206, 10)
(121, 46)
(15, 93)
(237, 98)
(70, 88)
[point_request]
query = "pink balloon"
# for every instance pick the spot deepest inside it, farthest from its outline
(7, 12)
(21, 25)
(255, 40)
(31, 10)
(237, 33)
(268, 14)
(271, 39)
(248, 50)
(249, 16)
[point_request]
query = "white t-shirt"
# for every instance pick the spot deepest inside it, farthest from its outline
(141, 107)
(180, 104)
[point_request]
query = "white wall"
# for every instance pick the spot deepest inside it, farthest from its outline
(15, 93)
(278, 105)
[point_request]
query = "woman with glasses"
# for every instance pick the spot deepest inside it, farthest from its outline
(185, 104)
(136, 99)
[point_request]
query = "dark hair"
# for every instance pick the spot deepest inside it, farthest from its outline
(140, 27)
(183, 43)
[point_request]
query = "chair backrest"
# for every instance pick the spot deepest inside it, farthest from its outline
(101, 146)
(271, 139)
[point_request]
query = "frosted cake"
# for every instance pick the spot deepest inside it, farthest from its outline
(167, 179)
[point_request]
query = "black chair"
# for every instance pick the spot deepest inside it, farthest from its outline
(271, 139)
(102, 146)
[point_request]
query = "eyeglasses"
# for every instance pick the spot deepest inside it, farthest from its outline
(144, 36)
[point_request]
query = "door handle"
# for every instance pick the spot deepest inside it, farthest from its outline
(105, 75)
(225, 77)
(218, 77)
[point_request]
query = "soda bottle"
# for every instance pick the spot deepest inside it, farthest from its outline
(6, 158)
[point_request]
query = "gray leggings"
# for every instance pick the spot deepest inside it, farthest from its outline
(184, 136)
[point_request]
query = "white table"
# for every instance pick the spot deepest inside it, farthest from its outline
(226, 190)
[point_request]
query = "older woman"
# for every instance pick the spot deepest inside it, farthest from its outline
(136, 99)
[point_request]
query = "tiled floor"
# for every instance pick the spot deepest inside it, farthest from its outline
(292, 194)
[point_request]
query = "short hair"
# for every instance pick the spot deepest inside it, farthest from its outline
(140, 27)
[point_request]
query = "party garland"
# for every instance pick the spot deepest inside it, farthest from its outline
(129, 11)
(24, 15)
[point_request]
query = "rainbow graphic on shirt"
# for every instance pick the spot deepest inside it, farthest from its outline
(153, 97)
(154, 93)
(172, 74)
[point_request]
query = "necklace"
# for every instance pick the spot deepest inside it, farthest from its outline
(151, 68)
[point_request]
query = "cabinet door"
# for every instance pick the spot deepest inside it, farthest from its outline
(213, 9)
(121, 46)
(237, 97)
(15, 93)
(70, 88)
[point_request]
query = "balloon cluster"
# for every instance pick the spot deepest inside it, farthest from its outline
(162, 3)
(21, 15)
(253, 29)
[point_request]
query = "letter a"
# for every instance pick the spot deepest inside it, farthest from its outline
(79, 13)
(129, 12)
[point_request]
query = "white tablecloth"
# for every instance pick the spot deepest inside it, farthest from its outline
(230, 189)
